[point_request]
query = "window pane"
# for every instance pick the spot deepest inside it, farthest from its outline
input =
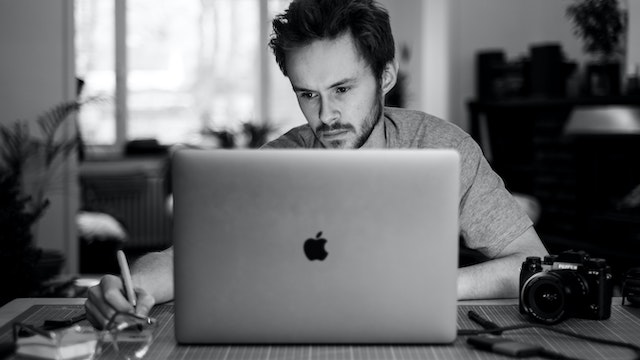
(95, 59)
(192, 63)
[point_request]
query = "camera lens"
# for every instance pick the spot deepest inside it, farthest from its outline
(551, 296)
(548, 298)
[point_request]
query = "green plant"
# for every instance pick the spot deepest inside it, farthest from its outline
(600, 24)
(19, 211)
(18, 256)
(257, 133)
(251, 135)
(22, 145)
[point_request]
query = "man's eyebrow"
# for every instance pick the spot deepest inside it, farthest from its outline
(342, 82)
(300, 89)
(337, 83)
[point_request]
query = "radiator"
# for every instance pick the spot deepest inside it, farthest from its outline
(134, 196)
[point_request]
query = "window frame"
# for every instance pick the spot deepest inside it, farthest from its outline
(121, 92)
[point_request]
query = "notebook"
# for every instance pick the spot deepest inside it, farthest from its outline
(315, 246)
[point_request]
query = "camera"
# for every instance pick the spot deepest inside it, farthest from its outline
(631, 287)
(570, 284)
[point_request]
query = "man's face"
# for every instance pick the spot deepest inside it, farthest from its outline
(336, 90)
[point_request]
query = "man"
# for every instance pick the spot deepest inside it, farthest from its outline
(339, 58)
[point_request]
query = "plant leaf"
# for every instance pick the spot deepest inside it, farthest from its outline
(51, 120)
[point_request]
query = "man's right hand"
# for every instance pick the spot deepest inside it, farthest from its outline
(108, 297)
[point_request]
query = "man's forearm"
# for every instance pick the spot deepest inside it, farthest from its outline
(154, 273)
(498, 278)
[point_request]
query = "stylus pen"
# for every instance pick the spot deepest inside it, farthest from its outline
(126, 278)
(486, 324)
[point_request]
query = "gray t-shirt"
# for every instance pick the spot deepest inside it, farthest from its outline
(490, 218)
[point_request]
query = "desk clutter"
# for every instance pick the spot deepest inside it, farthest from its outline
(623, 325)
(68, 343)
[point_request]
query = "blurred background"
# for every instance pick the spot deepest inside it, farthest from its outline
(554, 107)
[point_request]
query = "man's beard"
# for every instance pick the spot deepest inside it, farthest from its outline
(366, 128)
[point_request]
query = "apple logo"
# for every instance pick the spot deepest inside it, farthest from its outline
(314, 248)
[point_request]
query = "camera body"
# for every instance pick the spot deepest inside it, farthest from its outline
(631, 287)
(570, 284)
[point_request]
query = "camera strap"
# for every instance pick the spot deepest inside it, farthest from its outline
(516, 349)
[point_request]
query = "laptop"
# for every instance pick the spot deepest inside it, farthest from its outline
(315, 246)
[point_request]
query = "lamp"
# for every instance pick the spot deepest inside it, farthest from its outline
(604, 120)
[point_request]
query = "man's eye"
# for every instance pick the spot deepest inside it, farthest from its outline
(307, 95)
(342, 89)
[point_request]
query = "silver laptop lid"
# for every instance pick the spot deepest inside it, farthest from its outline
(250, 228)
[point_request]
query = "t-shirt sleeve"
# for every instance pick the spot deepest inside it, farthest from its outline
(490, 218)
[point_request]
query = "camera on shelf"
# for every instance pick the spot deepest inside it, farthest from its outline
(570, 284)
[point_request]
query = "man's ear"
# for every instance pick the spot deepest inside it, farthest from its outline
(389, 76)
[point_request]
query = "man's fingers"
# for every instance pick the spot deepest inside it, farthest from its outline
(95, 317)
(113, 293)
(104, 300)
(90, 310)
(144, 302)
(96, 305)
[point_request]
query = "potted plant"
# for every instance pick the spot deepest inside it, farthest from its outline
(251, 135)
(23, 266)
(601, 25)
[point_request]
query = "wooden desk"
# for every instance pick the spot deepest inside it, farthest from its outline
(14, 308)
(624, 325)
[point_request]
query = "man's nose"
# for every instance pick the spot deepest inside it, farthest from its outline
(328, 111)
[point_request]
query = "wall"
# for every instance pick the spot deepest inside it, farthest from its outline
(405, 17)
(510, 25)
(444, 36)
(36, 72)
(513, 25)
(422, 26)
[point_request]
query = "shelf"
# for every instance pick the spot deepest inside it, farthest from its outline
(573, 177)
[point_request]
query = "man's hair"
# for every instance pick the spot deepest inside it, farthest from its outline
(308, 20)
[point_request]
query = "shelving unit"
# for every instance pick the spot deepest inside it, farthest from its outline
(576, 179)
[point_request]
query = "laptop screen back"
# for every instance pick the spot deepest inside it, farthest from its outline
(315, 246)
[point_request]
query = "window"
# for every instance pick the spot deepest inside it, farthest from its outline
(170, 68)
